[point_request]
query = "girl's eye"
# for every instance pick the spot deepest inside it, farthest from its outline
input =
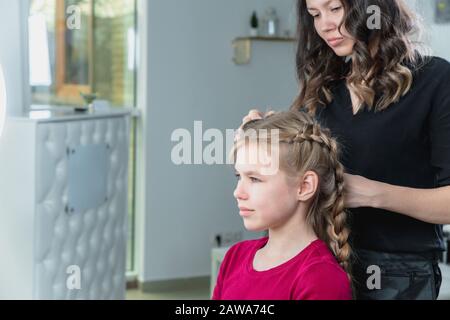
(252, 179)
(336, 9)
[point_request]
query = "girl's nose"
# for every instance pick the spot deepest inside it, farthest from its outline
(239, 192)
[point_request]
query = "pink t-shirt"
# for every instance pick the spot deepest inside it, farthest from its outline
(314, 274)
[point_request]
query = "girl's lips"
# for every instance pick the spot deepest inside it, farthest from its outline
(244, 212)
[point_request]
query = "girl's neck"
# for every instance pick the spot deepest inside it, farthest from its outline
(289, 239)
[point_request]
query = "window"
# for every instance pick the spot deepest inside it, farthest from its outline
(82, 46)
(89, 47)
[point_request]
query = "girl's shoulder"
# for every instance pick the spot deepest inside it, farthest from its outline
(321, 277)
(321, 258)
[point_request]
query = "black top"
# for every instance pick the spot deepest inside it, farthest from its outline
(408, 144)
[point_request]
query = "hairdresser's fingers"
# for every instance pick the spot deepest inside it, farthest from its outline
(245, 120)
(252, 115)
(270, 113)
(255, 114)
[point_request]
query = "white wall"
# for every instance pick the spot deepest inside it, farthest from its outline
(436, 35)
(191, 77)
(12, 53)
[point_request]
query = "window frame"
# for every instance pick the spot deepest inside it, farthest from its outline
(63, 89)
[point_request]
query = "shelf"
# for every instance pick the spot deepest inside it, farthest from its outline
(243, 47)
(276, 39)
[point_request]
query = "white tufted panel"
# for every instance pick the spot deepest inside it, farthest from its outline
(94, 240)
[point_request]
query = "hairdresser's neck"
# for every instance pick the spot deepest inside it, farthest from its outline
(291, 237)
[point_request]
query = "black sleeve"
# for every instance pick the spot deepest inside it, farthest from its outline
(440, 130)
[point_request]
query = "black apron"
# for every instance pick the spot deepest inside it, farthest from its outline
(403, 276)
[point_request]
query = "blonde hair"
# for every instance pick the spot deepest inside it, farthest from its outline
(309, 147)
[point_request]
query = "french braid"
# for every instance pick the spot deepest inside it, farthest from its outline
(312, 148)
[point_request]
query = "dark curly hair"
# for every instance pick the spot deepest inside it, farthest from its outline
(382, 62)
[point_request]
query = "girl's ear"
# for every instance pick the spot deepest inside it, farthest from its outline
(308, 186)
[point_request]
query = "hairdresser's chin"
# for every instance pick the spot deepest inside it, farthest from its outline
(342, 47)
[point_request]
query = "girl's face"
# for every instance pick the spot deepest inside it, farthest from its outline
(328, 15)
(265, 201)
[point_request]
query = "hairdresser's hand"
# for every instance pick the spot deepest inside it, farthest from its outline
(255, 115)
(252, 115)
(360, 191)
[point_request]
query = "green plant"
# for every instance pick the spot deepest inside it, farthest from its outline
(89, 97)
(254, 20)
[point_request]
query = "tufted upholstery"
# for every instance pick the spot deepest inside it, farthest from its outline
(94, 240)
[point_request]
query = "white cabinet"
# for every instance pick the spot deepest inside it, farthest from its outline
(217, 256)
(63, 205)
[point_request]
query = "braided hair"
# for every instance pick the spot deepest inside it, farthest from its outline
(310, 147)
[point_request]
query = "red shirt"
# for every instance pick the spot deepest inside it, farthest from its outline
(314, 274)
